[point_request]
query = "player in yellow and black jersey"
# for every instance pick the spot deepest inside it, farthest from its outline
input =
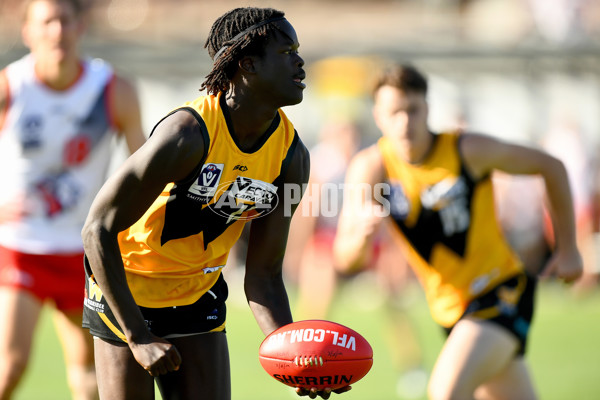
(160, 230)
(437, 190)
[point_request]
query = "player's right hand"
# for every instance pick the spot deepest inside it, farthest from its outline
(313, 392)
(156, 355)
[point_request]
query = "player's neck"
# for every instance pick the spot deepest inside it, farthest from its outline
(250, 122)
(416, 151)
(58, 76)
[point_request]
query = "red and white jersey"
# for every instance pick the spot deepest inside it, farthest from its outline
(55, 150)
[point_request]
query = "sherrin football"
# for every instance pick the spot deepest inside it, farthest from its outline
(316, 353)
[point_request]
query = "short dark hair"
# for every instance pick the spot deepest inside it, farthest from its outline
(77, 5)
(222, 34)
(402, 76)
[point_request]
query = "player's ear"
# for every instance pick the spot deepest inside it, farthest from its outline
(25, 35)
(247, 64)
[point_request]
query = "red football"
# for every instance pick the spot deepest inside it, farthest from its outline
(316, 353)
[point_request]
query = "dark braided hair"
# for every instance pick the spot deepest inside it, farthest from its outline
(224, 29)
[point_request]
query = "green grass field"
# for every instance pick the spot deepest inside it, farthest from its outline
(564, 348)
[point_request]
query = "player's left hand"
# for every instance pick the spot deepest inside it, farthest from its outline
(325, 393)
(565, 264)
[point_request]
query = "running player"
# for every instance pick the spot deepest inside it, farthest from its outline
(59, 113)
(437, 190)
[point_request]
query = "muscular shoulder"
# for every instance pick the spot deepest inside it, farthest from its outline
(479, 153)
(177, 143)
(181, 127)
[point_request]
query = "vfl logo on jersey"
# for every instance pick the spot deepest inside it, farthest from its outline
(207, 182)
(245, 199)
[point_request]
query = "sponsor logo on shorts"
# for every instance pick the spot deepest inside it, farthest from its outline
(213, 315)
(93, 297)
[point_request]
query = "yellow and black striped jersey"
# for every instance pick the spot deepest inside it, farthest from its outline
(175, 252)
(447, 226)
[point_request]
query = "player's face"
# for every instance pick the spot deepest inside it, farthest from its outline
(401, 115)
(279, 70)
(52, 30)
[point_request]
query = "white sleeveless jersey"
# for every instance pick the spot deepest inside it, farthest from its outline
(54, 154)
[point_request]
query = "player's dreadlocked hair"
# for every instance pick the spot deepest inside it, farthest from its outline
(229, 49)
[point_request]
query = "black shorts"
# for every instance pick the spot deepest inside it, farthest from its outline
(205, 315)
(510, 305)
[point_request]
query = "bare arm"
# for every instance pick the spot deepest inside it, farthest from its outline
(12, 209)
(127, 113)
(263, 283)
(302, 228)
(173, 151)
(4, 96)
(484, 154)
(361, 213)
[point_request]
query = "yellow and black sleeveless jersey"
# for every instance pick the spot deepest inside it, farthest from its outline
(175, 252)
(447, 227)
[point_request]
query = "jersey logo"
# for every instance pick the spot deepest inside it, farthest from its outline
(444, 217)
(77, 150)
(59, 193)
(240, 167)
(240, 200)
(449, 199)
(399, 204)
(245, 199)
(208, 181)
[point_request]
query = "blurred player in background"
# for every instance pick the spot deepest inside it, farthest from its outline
(59, 113)
(160, 230)
(309, 256)
(437, 190)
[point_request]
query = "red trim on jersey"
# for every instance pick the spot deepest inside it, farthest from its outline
(109, 102)
(4, 110)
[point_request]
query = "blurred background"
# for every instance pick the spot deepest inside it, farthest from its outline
(513, 68)
(522, 70)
